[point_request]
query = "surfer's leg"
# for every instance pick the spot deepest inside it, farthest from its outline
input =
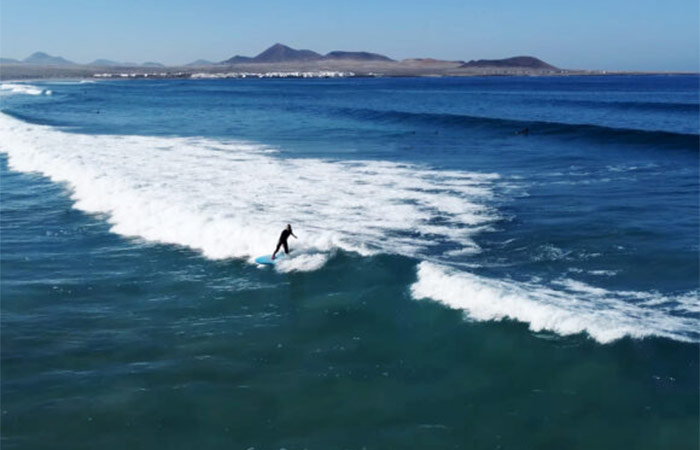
(277, 249)
(286, 249)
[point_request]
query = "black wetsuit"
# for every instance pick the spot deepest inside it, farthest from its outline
(283, 241)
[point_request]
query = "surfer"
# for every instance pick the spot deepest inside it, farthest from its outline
(283, 240)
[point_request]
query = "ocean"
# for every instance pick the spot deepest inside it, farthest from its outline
(481, 263)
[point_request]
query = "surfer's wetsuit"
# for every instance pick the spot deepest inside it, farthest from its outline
(283, 240)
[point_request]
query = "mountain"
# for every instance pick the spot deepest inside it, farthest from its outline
(282, 58)
(47, 60)
(282, 53)
(276, 54)
(238, 59)
(517, 62)
(356, 56)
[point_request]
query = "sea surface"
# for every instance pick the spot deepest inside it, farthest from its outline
(481, 263)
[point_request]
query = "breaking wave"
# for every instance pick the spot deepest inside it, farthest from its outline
(230, 199)
(568, 307)
(21, 88)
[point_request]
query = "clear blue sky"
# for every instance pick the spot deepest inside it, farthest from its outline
(591, 34)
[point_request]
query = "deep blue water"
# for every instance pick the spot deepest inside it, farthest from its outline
(455, 284)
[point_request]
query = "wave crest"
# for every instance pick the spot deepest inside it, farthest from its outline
(571, 308)
(20, 88)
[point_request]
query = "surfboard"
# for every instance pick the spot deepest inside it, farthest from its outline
(267, 259)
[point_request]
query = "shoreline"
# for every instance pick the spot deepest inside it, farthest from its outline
(28, 72)
(268, 76)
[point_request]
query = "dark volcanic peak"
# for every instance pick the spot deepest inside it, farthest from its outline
(517, 62)
(282, 53)
(357, 56)
(238, 59)
(278, 53)
(47, 60)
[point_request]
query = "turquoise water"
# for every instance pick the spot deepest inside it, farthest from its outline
(454, 284)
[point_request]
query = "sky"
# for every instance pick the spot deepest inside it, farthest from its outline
(574, 34)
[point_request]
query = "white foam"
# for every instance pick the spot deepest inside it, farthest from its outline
(21, 88)
(464, 251)
(70, 82)
(603, 273)
(598, 273)
(231, 199)
(302, 263)
(580, 287)
(571, 308)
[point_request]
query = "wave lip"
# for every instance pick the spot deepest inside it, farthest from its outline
(572, 308)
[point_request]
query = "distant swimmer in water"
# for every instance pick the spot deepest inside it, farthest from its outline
(525, 131)
(283, 240)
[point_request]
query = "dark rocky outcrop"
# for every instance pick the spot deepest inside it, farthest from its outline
(356, 56)
(517, 62)
(278, 53)
(238, 59)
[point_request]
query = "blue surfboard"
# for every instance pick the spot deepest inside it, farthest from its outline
(267, 259)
